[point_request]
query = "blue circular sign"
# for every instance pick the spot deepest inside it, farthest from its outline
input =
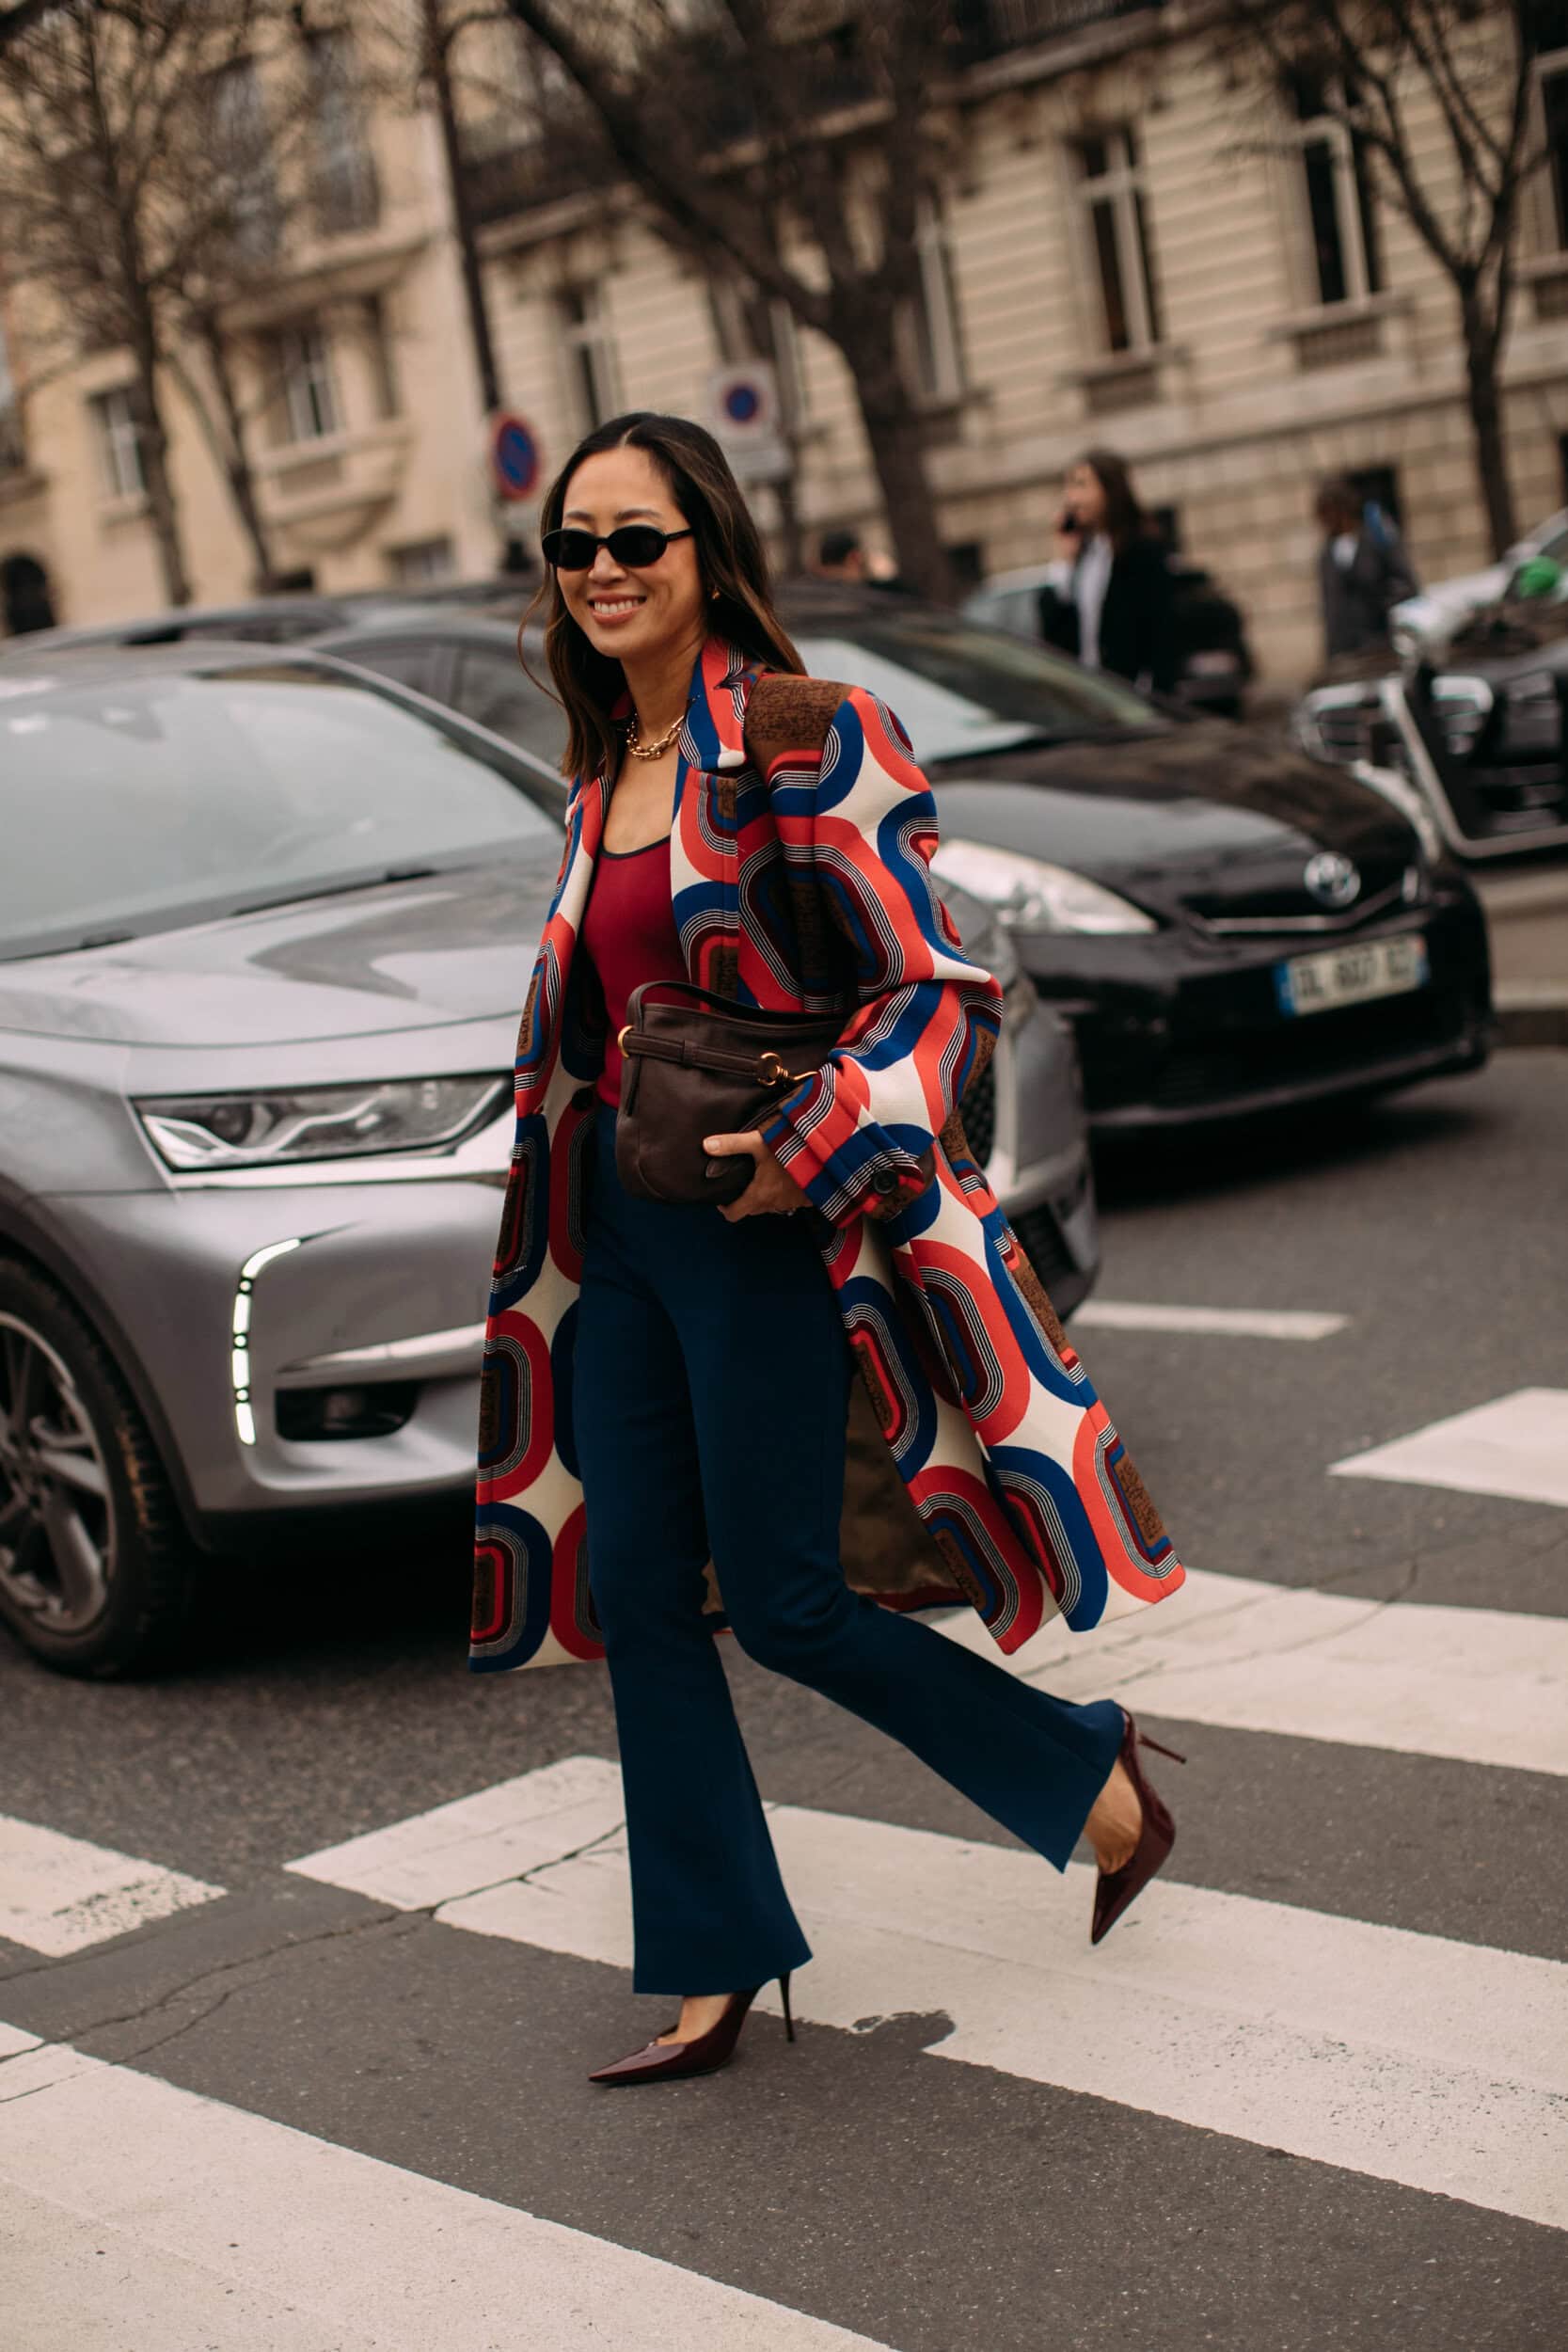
(742, 403)
(515, 457)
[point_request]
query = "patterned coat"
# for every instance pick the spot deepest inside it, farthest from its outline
(1025, 1501)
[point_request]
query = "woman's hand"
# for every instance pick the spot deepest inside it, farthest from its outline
(772, 1190)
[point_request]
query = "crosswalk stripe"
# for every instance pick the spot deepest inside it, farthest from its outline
(12, 2038)
(1517, 1446)
(59, 1894)
(1241, 1323)
(228, 2230)
(1483, 1686)
(1415, 2059)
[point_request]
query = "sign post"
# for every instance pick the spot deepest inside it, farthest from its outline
(743, 408)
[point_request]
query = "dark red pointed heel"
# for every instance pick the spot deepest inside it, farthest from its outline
(668, 2061)
(1115, 1889)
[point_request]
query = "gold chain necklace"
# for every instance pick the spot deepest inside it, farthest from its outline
(656, 749)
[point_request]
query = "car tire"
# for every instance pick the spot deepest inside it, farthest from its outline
(81, 1480)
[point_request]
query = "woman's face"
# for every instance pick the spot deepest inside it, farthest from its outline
(1085, 497)
(659, 608)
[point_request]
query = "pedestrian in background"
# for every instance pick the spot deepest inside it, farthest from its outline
(841, 556)
(1108, 598)
(666, 1381)
(1363, 570)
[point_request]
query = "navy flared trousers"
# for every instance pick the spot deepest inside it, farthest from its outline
(709, 1406)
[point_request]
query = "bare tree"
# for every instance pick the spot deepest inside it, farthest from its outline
(1377, 68)
(792, 146)
(147, 183)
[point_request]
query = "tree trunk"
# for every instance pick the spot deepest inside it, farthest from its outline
(152, 439)
(898, 442)
(1483, 400)
(461, 218)
(235, 459)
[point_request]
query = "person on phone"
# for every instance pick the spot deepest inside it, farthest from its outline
(1108, 598)
(1363, 570)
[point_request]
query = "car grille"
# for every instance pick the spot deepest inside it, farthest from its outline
(978, 1110)
(1327, 1045)
(1501, 756)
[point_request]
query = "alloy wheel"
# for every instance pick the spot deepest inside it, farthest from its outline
(57, 1533)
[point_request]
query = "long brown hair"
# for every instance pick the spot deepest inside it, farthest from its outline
(730, 559)
(1125, 519)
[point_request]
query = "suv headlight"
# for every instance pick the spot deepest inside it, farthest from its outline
(265, 1126)
(1029, 895)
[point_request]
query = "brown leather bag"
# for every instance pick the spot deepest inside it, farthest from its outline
(694, 1065)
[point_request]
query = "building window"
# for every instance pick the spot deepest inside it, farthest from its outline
(118, 444)
(936, 345)
(346, 189)
(421, 561)
(309, 398)
(1116, 213)
(749, 324)
(240, 136)
(1337, 210)
(1551, 81)
(13, 457)
(590, 356)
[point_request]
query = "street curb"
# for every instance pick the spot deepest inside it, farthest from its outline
(1533, 1016)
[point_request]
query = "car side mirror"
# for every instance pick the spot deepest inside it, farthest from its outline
(1536, 578)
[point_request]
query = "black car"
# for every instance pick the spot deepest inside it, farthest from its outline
(1229, 924)
(1483, 736)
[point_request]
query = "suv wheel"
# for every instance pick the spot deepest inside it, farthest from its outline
(95, 1573)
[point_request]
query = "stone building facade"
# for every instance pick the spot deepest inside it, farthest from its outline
(1117, 254)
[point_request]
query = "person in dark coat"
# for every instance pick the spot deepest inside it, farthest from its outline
(1363, 570)
(1108, 599)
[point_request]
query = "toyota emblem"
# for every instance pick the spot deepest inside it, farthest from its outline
(1332, 878)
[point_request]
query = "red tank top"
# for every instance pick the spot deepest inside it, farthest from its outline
(628, 932)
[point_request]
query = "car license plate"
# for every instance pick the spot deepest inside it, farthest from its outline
(1349, 976)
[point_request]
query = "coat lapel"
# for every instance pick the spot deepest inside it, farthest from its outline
(704, 860)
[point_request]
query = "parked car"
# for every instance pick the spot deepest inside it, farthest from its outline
(1425, 626)
(1482, 735)
(1229, 924)
(278, 620)
(1214, 661)
(265, 928)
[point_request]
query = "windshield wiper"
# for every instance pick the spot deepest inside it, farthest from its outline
(338, 889)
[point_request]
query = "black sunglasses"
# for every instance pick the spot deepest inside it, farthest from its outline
(635, 545)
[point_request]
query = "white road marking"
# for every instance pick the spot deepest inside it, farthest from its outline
(1516, 1446)
(146, 2218)
(1485, 1686)
(500, 1832)
(1411, 2057)
(58, 1894)
(1242, 1322)
(12, 2038)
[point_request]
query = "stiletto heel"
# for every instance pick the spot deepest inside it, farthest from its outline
(1160, 1748)
(1115, 1889)
(664, 2061)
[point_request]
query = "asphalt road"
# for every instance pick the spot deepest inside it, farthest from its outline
(1322, 2137)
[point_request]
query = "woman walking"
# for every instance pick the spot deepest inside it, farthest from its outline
(662, 1443)
(1108, 599)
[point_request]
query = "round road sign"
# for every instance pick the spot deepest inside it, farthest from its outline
(514, 457)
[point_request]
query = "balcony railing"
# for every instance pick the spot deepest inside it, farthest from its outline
(995, 26)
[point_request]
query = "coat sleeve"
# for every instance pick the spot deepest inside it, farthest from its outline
(858, 1134)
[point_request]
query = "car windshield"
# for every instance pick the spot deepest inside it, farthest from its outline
(136, 803)
(963, 690)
